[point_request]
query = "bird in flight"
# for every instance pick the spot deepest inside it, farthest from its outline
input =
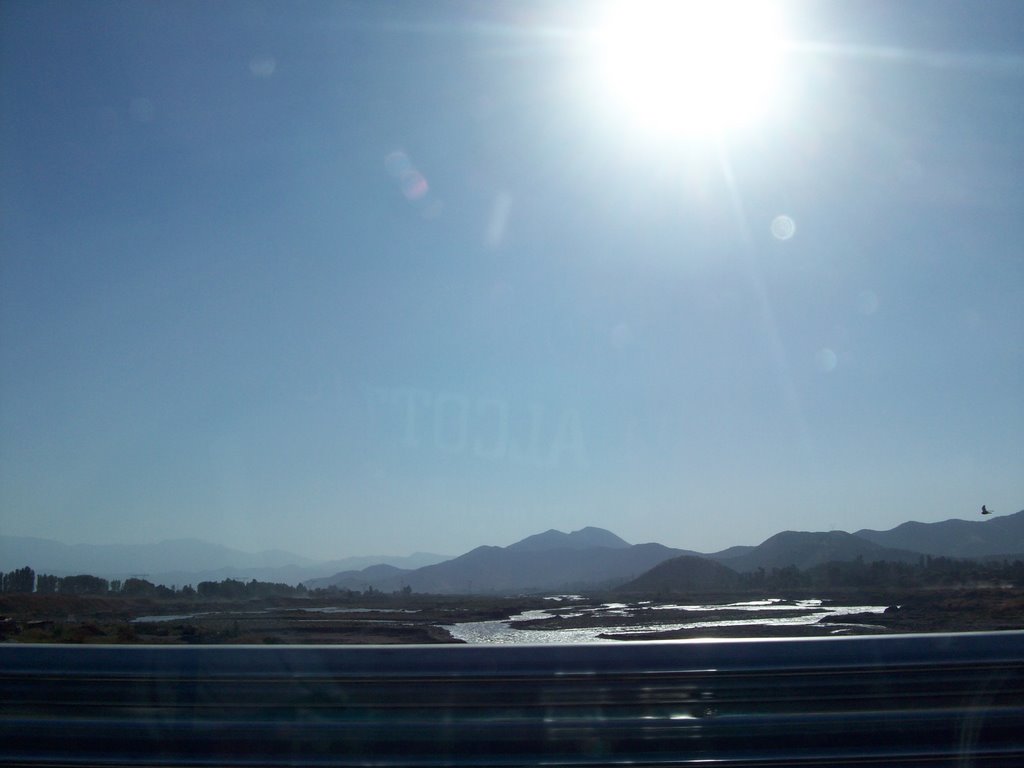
(985, 510)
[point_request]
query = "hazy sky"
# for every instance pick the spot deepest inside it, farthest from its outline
(362, 278)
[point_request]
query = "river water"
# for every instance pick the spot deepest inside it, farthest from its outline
(641, 617)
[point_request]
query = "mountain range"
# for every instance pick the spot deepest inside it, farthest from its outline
(590, 558)
(512, 570)
(805, 550)
(995, 537)
(593, 558)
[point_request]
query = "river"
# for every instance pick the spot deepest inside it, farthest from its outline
(623, 619)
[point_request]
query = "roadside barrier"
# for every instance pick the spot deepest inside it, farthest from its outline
(919, 700)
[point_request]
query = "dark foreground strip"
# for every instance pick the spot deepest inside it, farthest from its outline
(899, 700)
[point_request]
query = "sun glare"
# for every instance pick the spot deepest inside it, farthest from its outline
(689, 67)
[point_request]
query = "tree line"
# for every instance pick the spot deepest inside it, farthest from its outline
(25, 581)
(927, 572)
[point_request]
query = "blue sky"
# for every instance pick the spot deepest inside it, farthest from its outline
(353, 278)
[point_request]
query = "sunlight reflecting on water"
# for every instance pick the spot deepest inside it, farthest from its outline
(501, 632)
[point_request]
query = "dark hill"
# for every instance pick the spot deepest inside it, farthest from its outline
(956, 538)
(358, 581)
(507, 570)
(805, 550)
(550, 561)
(686, 573)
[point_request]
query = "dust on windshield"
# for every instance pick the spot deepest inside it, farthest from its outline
(370, 318)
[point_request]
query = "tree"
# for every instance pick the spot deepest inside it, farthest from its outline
(84, 584)
(21, 580)
(135, 587)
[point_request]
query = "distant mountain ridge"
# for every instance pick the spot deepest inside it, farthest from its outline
(180, 561)
(585, 538)
(981, 539)
(1001, 535)
(553, 560)
(806, 549)
(589, 558)
(595, 558)
(497, 569)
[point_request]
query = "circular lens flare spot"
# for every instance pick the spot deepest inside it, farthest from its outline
(783, 228)
(827, 360)
(414, 186)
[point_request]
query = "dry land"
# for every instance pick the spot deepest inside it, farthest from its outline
(373, 619)
(421, 618)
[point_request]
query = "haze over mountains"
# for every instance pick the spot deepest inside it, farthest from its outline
(538, 566)
(956, 538)
(596, 558)
(805, 550)
(589, 558)
(181, 561)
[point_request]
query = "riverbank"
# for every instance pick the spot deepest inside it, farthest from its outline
(371, 619)
(408, 619)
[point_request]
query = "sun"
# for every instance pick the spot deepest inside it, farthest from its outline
(688, 67)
